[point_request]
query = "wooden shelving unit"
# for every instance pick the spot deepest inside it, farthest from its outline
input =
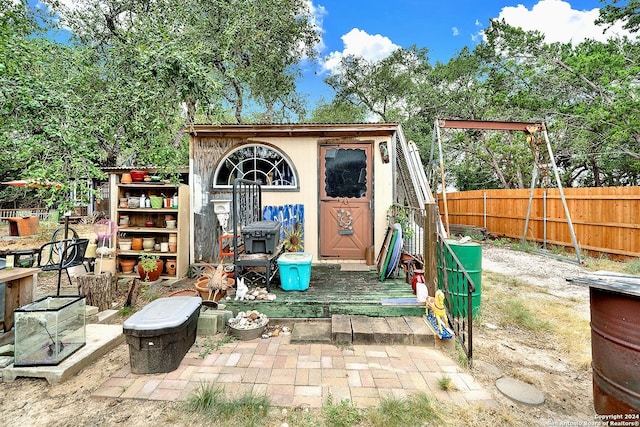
(139, 216)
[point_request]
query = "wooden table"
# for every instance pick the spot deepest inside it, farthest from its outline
(20, 289)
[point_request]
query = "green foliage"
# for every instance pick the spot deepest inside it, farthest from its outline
(337, 112)
(632, 267)
(628, 13)
(381, 86)
(132, 78)
(212, 401)
(343, 414)
(126, 311)
(444, 382)
(213, 343)
(516, 313)
(418, 409)
(148, 263)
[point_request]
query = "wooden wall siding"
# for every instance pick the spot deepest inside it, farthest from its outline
(605, 219)
(205, 156)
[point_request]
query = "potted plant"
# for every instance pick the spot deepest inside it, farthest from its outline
(401, 215)
(150, 267)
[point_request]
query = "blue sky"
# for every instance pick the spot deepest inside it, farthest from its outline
(374, 28)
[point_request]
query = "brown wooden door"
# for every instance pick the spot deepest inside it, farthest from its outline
(346, 223)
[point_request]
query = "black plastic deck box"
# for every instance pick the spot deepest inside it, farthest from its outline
(261, 237)
(161, 333)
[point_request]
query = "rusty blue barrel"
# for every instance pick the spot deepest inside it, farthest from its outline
(615, 343)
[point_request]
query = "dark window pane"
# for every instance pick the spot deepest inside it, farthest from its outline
(345, 173)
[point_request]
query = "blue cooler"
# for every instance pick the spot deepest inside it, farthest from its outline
(295, 270)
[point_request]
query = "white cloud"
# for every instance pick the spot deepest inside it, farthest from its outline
(559, 22)
(455, 31)
(358, 43)
(317, 14)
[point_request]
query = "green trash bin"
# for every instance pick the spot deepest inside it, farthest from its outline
(470, 256)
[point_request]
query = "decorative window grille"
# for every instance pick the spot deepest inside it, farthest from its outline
(260, 163)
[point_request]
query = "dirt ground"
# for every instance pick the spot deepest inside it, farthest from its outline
(563, 377)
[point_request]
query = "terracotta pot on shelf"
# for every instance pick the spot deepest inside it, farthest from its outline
(126, 178)
(173, 247)
(151, 276)
(136, 243)
(126, 265)
(170, 266)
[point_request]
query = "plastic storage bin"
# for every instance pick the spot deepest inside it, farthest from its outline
(49, 330)
(161, 333)
(261, 237)
(295, 270)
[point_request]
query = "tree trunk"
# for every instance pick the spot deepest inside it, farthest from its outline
(96, 289)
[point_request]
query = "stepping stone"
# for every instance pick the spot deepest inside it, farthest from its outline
(420, 332)
(520, 391)
(311, 332)
(402, 332)
(362, 330)
(341, 329)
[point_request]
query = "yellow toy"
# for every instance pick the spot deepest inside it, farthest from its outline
(436, 305)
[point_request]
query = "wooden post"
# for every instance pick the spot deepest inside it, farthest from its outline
(132, 295)
(97, 289)
(430, 247)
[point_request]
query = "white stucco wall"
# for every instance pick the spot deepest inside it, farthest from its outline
(303, 153)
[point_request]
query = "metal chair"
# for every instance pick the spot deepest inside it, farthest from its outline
(61, 255)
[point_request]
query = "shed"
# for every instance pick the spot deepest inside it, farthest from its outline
(332, 183)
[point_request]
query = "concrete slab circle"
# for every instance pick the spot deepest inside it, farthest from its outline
(520, 391)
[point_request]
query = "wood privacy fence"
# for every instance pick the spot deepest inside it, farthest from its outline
(605, 219)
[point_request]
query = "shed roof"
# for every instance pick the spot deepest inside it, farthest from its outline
(306, 129)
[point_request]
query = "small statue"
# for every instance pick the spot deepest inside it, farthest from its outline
(241, 289)
(436, 305)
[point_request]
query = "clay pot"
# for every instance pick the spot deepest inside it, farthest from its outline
(148, 243)
(170, 266)
(124, 245)
(138, 176)
(151, 276)
(126, 265)
(173, 247)
(126, 178)
(202, 286)
(136, 243)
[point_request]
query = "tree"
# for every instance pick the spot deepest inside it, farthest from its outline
(337, 112)
(42, 133)
(382, 87)
(629, 13)
(135, 74)
(585, 93)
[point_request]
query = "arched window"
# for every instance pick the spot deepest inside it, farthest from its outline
(258, 163)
